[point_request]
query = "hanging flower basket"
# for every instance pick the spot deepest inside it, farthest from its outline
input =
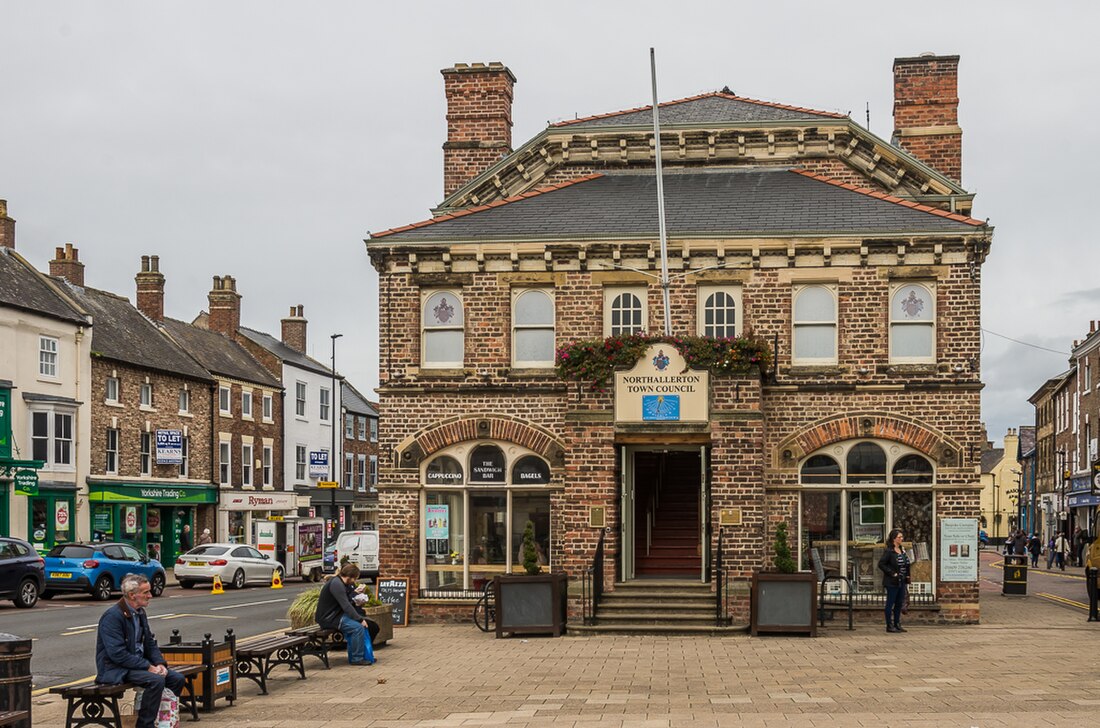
(594, 361)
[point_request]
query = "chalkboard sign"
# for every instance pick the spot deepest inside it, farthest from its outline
(395, 592)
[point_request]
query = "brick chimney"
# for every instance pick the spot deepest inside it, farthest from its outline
(225, 306)
(7, 227)
(66, 264)
(294, 329)
(479, 120)
(926, 111)
(150, 288)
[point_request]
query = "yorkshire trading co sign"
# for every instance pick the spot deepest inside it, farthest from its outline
(658, 389)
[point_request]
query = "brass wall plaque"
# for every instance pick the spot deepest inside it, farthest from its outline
(597, 516)
(729, 517)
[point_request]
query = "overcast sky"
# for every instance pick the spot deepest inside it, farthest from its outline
(265, 139)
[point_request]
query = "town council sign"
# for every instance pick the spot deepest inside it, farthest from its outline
(661, 389)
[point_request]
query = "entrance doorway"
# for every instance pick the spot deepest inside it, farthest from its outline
(664, 501)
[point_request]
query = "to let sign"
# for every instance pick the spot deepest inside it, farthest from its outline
(318, 464)
(169, 447)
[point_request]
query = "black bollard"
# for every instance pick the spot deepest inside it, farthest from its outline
(15, 676)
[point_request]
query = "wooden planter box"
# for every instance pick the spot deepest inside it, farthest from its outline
(784, 603)
(383, 615)
(531, 604)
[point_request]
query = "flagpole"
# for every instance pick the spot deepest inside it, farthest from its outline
(660, 198)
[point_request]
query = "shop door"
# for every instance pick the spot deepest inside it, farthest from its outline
(50, 521)
(626, 514)
(665, 503)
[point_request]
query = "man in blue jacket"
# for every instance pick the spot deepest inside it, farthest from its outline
(126, 650)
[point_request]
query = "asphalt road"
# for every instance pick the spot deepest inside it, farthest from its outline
(1065, 588)
(64, 628)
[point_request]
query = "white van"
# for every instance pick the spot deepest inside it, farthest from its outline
(361, 549)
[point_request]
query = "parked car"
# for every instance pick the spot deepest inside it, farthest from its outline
(22, 576)
(328, 566)
(235, 564)
(98, 568)
(359, 548)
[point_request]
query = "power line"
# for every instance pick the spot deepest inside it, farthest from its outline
(1033, 346)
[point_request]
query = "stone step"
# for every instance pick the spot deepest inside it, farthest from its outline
(685, 599)
(654, 618)
(646, 605)
(683, 585)
(662, 630)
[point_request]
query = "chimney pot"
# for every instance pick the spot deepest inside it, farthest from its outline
(66, 264)
(294, 329)
(225, 307)
(154, 263)
(150, 289)
(7, 227)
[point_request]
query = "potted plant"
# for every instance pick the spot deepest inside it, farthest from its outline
(783, 598)
(303, 612)
(534, 602)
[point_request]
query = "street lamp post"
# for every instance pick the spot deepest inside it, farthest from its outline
(332, 471)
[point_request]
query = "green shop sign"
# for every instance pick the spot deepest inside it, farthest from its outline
(149, 493)
(26, 482)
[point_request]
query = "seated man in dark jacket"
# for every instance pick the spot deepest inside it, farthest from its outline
(335, 610)
(126, 650)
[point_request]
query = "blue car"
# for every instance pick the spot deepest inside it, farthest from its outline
(98, 568)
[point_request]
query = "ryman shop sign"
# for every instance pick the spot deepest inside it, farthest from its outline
(660, 388)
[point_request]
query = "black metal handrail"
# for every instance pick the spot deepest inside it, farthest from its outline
(592, 584)
(721, 586)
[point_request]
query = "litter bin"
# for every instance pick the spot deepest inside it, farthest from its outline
(15, 677)
(1015, 575)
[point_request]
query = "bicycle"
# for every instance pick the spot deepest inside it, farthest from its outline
(485, 611)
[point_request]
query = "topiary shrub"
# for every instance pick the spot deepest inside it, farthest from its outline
(782, 560)
(530, 553)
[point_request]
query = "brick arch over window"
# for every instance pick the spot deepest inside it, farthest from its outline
(414, 449)
(942, 449)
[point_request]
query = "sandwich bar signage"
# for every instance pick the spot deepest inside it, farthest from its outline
(660, 388)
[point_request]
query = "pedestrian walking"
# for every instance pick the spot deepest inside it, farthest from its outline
(1019, 543)
(185, 539)
(1050, 552)
(1034, 547)
(1061, 550)
(1092, 577)
(894, 566)
(205, 537)
(1080, 539)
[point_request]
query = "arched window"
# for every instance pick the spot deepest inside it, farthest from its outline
(444, 470)
(442, 321)
(866, 464)
(530, 470)
(912, 469)
(487, 465)
(913, 324)
(820, 470)
(626, 312)
(814, 323)
(719, 314)
(533, 329)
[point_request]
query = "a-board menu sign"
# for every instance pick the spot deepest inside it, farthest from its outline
(395, 592)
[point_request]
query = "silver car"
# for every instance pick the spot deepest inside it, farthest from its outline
(235, 564)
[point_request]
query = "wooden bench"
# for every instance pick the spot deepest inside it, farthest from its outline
(97, 703)
(255, 659)
(320, 641)
(11, 717)
(825, 598)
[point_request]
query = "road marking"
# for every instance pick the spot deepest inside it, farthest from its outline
(247, 604)
(79, 631)
(1063, 600)
(201, 616)
(43, 691)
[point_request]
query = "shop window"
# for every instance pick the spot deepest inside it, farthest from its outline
(530, 470)
(717, 312)
(624, 311)
(47, 356)
(913, 323)
(111, 451)
(444, 470)
(866, 464)
(445, 543)
(487, 464)
(443, 324)
(533, 507)
(52, 438)
(820, 470)
(237, 527)
(821, 530)
(488, 534)
(815, 325)
(912, 470)
(146, 453)
(532, 328)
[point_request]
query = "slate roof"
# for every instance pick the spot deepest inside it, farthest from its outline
(713, 109)
(991, 457)
(1027, 440)
(23, 287)
(757, 201)
(219, 354)
(124, 334)
(284, 352)
(353, 401)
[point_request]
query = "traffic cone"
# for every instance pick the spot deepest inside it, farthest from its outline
(217, 586)
(276, 580)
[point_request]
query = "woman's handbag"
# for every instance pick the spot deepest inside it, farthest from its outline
(169, 714)
(905, 603)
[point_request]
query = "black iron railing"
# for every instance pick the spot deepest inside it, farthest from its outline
(721, 586)
(592, 585)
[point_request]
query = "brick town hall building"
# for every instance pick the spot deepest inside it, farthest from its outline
(853, 260)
